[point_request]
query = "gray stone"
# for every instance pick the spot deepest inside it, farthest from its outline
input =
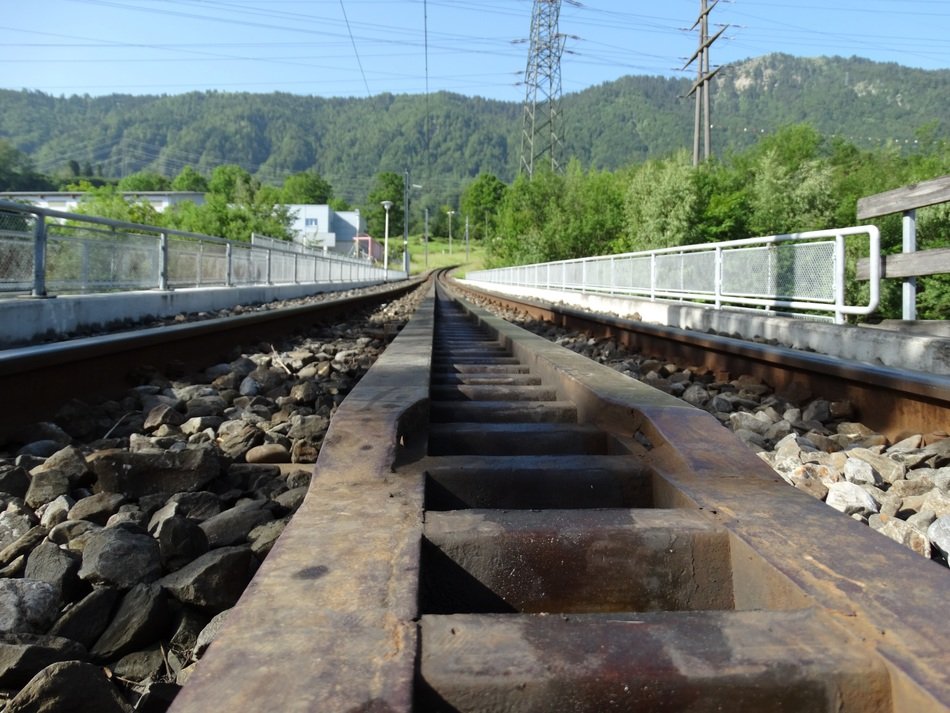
(40, 449)
(14, 480)
(850, 499)
(69, 461)
(818, 410)
(140, 665)
(213, 582)
(85, 621)
(69, 687)
(74, 534)
(888, 469)
(120, 557)
(292, 499)
(308, 428)
(235, 438)
(742, 421)
(13, 525)
(860, 471)
(263, 537)
(209, 633)
(232, 526)
(808, 477)
(163, 415)
(198, 505)
(138, 474)
(939, 535)
(140, 620)
(22, 656)
(906, 534)
(45, 487)
(97, 508)
(23, 545)
(27, 606)
(180, 541)
(56, 511)
(49, 563)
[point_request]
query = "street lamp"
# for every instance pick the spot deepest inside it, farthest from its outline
(407, 186)
(387, 205)
(451, 213)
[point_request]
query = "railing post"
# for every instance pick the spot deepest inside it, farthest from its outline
(228, 265)
(909, 295)
(838, 273)
(39, 256)
(268, 277)
(718, 269)
(163, 260)
(652, 277)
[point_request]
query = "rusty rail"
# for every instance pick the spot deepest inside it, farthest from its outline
(499, 524)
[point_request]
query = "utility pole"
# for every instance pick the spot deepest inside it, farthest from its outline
(540, 134)
(701, 86)
(466, 238)
(425, 239)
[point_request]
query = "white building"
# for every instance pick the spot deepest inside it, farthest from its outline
(321, 227)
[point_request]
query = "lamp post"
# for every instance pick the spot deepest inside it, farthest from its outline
(407, 186)
(451, 213)
(387, 205)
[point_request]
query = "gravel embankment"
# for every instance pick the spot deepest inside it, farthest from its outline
(128, 528)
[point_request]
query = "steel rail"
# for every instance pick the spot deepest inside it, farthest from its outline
(36, 380)
(474, 540)
(892, 401)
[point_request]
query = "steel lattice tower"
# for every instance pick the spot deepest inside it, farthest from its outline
(542, 79)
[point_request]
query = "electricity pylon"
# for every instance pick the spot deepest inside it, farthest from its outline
(703, 75)
(542, 79)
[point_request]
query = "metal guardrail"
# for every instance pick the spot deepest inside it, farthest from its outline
(45, 251)
(784, 273)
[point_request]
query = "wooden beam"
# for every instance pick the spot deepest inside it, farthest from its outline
(924, 262)
(916, 195)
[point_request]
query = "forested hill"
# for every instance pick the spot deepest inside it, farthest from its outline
(350, 140)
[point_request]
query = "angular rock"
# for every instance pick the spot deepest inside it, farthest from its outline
(263, 537)
(138, 474)
(27, 606)
(809, 478)
(180, 540)
(69, 687)
(213, 582)
(69, 461)
(939, 535)
(141, 619)
(140, 665)
(23, 545)
(120, 557)
(60, 568)
(22, 656)
(97, 508)
(850, 499)
(888, 469)
(906, 534)
(74, 534)
(232, 526)
(163, 415)
(85, 621)
(56, 511)
(14, 480)
(292, 499)
(45, 487)
(860, 471)
(199, 505)
(13, 525)
(209, 633)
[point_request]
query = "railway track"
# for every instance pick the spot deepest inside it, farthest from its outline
(498, 524)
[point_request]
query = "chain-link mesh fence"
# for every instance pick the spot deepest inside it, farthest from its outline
(16, 251)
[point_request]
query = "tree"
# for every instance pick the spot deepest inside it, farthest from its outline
(144, 181)
(190, 180)
(481, 201)
(388, 186)
(306, 187)
(17, 173)
(233, 183)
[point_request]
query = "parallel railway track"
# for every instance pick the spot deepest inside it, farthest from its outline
(498, 524)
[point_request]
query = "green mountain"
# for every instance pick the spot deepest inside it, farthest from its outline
(447, 138)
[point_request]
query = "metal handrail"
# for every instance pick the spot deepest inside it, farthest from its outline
(540, 275)
(345, 266)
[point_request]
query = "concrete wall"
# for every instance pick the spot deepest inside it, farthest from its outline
(26, 319)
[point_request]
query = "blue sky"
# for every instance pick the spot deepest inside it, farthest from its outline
(473, 47)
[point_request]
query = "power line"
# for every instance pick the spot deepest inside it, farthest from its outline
(355, 51)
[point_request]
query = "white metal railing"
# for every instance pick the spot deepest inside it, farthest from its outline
(793, 272)
(45, 251)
